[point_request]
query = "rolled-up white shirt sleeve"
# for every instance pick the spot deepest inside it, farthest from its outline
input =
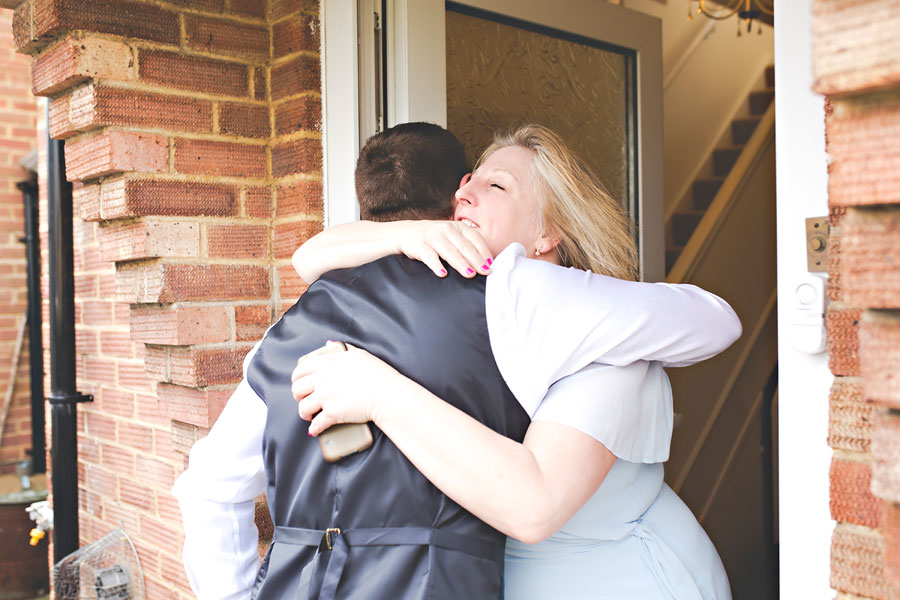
(547, 321)
(216, 496)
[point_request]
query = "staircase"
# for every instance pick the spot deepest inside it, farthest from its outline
(684, 220)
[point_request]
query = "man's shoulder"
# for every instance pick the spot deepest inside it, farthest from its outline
(400, 272)
(394, 265)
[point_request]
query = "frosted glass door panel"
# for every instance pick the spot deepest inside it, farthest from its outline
(502, 73)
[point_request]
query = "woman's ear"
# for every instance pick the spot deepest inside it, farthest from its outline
(548, 242)
(465, 179)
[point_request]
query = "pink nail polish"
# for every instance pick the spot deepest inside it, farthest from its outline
(470, 271)
(443, 271)
(489, 261)
(484, 267)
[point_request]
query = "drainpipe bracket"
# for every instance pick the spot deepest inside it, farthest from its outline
(70, 398)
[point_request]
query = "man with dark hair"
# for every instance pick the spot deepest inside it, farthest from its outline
(370, 526)
(409, 171)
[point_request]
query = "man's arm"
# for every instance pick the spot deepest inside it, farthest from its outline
(216, 495)
(547, 322)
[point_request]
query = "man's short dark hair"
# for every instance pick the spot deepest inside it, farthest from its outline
(409, 171)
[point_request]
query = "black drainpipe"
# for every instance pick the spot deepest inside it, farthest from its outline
(35, 343)
(63, 398)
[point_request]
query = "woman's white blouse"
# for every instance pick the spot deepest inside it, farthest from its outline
(627, 409)
(545, 322)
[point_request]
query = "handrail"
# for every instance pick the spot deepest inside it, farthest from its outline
(708, 228)
(739, 363)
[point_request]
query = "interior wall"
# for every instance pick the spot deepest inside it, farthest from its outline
(696, 113)
(719, 463)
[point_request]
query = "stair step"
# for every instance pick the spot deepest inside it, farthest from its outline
(704, 190)
(672, 256)
(683, 226)
(742, 129)
(724, 159)
(759, 101)
(770, 76)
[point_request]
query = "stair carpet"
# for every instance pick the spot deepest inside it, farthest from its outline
(704, 190)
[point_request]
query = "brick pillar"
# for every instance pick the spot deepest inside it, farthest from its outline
(857, 68)
(193, 140)
(18, 136)
(296, 145)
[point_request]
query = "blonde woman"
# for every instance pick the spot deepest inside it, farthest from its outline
(582, 497)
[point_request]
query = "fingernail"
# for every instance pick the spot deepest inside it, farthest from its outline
(484, 267)
(470, 271)
(443, 271)
(309, 434)
(489, 261)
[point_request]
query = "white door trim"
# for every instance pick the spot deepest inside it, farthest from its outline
(340, 109)
(804, 457)
(417, 84)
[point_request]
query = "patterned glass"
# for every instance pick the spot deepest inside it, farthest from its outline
(500, 75)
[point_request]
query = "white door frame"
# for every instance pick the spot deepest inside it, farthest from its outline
(416, 79)
(345, 120)
(340, 109)
(805, 523)
(804, 457)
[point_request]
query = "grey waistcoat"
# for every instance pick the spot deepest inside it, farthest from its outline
(370, 526)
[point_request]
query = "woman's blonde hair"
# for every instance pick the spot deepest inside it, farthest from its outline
(595, 233)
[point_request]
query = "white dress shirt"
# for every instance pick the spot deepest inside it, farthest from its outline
(544, 321)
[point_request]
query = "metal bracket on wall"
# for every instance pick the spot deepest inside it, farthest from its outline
(70, 398)
(817, 230)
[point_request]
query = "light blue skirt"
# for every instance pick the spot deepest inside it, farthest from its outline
(607, 551)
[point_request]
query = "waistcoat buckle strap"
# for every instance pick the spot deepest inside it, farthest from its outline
(339, 543)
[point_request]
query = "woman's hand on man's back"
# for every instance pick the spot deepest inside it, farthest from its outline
(461, 247)
(353, 386)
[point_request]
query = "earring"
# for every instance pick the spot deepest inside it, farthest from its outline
(537, 251)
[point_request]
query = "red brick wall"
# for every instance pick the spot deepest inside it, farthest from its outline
(193, 139)
(296, 145)
(857, 67)
(18, 136)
